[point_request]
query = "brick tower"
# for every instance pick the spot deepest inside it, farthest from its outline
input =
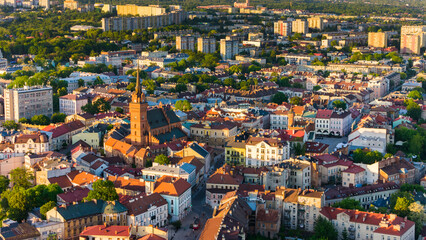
(139, 135)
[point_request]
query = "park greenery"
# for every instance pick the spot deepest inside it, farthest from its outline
(16, 202)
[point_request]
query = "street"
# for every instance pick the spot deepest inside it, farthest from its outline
(199, 210)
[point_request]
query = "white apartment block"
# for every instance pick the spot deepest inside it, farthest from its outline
(228, 48)
(419, 30)
(380, 87)
(369, 225)
(31, 143)
(27, 102)
(87, 77)
(279, 120)
(411, 44)
(263, 151)
(282, 28)
(371, 172)
(322, 121)
(299, 173)
(185, 43)
(71, 104)
(206, 44)
(374, 139)
(147, 210)
(316, 23)
(299, 26)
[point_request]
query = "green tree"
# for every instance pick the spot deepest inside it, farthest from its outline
(17, 203)
(324, 229)
(339, 104)
(316, 88)
(98, 81)
(296, 101)
(81, 83)
(401, 206)
(4, 183)
(11, 125)
(23, 120)
(62, 91)
(413, 109)
(58, 117)
(119, 110)
(349, 203)
(418, 216)
(183, 105)
(399, 203)
(103, 190)
(102, 105)
(40, 120)
(46, 207)
(415, 95)
(279, 98)
(131, 87)
(162, 159)
(21, 177)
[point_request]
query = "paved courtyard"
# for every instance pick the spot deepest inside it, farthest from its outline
(332, 141)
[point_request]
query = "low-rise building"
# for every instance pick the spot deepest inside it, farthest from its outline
(268, 222)
(79, 216)
(263, 151)
(177, 193)
(300, 208)
(369, 225)
(366, 195)
(31, 143)
(71, 104)
(398, 170)
(145, 210)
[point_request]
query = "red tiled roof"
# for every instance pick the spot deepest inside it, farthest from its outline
(222, 178)
(62, 181)
(324, 113)
(166, 185)
(82, 178)
(64, 128)
(76, 194)
(101, 230)
(151, 237)
(354, 169)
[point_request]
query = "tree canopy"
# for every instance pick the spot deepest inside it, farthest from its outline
(103, 190)
(162, 159)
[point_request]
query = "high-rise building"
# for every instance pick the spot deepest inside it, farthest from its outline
(316, 23)
(410, 44)
(299, 26)
(185, 43)
(135, 10)
(228, 48)
(206, 44)
(27, 102)
(378, 39)
(71, 4)
(282, 28)
(415, 30)
(132, 23)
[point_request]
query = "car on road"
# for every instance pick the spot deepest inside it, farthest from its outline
(196, 224)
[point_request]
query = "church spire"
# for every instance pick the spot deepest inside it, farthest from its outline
(138, 95)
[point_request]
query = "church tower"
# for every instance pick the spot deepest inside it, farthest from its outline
(139, 135)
